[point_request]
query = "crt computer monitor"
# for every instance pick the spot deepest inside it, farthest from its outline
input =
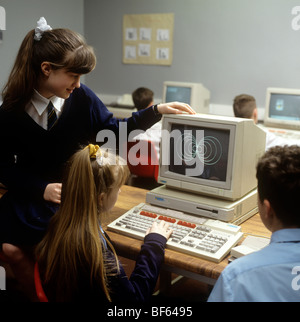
(210, 155)
(282, 108)
(194, 94)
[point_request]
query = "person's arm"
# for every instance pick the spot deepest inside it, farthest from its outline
(174, 108)
(18, 178)
(102, 118)
(15, 178)
(221, 292)
(146, 118)
(140, 286)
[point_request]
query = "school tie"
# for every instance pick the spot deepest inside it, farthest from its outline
(52, 117)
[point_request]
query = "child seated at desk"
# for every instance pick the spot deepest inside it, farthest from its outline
(142, 98)
(271, 274)
(76, 258)
(244, 106)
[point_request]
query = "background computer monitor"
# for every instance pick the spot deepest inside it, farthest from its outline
(218, 154)
(282, 108)
(194, 94)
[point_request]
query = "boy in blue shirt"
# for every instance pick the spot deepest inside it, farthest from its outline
(273, 273)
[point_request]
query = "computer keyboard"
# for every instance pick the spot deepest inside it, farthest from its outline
(197, 236)
(286, 134)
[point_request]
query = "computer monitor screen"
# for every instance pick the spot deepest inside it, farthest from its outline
(194, 94)
(282, 108)
(180, 94)
(210, 155)
(212, 148)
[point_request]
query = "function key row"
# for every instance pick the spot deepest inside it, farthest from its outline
(167, 219)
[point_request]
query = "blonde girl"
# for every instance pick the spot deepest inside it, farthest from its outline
(76, 258)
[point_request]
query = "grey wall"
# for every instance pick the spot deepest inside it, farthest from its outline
(22, 15)
(231, 46)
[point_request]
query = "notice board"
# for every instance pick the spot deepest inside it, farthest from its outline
(148, 39)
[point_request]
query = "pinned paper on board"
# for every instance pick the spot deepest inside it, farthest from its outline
(2, 18)
(148, 39)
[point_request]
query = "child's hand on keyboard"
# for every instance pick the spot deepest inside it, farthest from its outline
(162, 228)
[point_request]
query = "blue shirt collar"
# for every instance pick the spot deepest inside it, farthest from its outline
(286, 235)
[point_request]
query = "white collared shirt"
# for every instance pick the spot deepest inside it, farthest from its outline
(153, 134)
(37, 108)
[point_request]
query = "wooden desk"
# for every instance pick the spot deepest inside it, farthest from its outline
(175, 262)
(179, 263)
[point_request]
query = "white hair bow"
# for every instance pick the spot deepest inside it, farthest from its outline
(41, 27)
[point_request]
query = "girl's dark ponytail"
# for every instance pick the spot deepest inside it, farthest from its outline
(62, 48)
(22, 79)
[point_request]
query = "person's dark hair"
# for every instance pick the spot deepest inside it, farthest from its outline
(62, 48)
(278, 175)
(244, 105)
(142, 97)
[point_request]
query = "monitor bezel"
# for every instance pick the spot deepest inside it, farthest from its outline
(164, 171)
(279, 123)
(200, 103)
(189, 86)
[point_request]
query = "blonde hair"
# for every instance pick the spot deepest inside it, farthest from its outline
(62, 48)
(74, 241)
